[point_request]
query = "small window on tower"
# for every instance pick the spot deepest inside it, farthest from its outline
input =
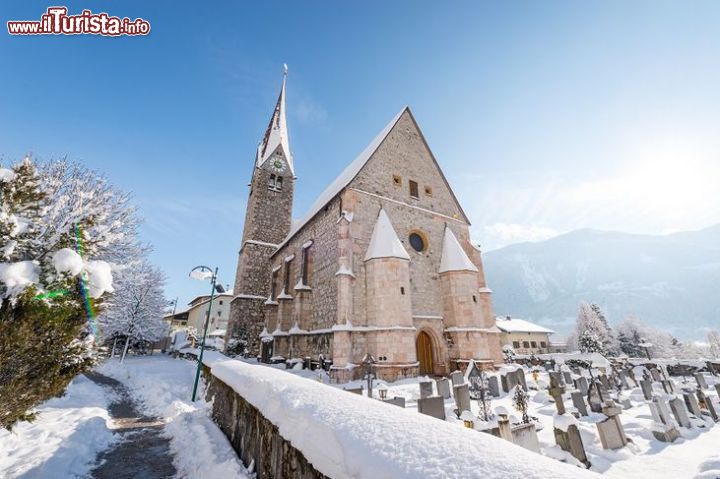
(397, 181)
(275, 182)
(414, 189)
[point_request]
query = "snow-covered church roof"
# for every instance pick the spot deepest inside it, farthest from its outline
(343, 179)
(453, 256)
(384, 242)
(514, 325)
(276, 135)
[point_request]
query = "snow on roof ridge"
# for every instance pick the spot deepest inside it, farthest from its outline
(453, 256)
(384, 242)
(515, 325)
(344, 178)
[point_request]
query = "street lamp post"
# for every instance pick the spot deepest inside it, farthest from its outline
(203, 273)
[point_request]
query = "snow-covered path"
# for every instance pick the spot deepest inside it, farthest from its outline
(140, 423)
(142, 449)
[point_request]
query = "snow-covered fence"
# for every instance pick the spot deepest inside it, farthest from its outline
(293, 427)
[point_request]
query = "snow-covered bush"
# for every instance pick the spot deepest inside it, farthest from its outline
(61, 227)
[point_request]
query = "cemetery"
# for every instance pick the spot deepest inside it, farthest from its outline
(614, 418)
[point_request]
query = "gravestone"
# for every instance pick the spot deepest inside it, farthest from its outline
(605, 382)
(677, 406)
(520, 378)
(432, 406)
(579, 402)
(570, 441)
(504, 428)
(462, 397)
(624, 402)
(706, 404)
(525, 435)
(457, 378)
(443, 388)
(357, 390)
(610, 430)
(556, 391)
(622, 376)
(595, 399)
(700, 379)
(717, 389)
(581, 384)
(396, 401)
(664, 427)
(667, 386)
(631, 376)
(426, 389)
(493, 386)
(692, 404)
(656, 376)
(646, 387)
(508, 380)
(567, 377)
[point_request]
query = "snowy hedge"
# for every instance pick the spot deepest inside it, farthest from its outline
(345, 435)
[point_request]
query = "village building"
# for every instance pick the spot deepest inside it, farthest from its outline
(194, 316)
(523, 336)
(381, 264)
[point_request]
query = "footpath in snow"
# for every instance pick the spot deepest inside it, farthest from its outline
(131, 420)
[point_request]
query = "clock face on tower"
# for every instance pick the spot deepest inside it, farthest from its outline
(278, 164)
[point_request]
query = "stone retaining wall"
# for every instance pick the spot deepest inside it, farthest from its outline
(255, 439)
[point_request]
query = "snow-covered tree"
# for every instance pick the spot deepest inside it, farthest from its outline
(134, 313)
(58, 230)
(590, 343)
(520, 403)
(590, 318)
(508, 354)
(713, 341)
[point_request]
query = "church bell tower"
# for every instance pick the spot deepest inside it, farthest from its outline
(267, 222)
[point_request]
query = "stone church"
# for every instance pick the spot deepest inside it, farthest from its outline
(381, 263)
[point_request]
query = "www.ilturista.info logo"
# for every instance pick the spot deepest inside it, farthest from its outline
(57, 22)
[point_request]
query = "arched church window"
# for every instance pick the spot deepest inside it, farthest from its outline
(418, 241)
(275, 182)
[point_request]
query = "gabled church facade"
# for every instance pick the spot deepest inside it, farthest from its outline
(381, 264)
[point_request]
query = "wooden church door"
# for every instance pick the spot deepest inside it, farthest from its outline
(424, 353)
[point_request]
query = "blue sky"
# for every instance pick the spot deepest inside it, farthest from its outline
(546, 116)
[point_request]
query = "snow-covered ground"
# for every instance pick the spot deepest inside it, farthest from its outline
(696, 454)
(164, 387)
(65, 438)
(69, 432)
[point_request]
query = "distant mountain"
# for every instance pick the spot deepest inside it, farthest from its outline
(670, 281)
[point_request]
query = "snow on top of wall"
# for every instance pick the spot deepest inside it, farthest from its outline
(346, 435)
(514, 325)
(347, 175)
(384, 242)
(453, 256)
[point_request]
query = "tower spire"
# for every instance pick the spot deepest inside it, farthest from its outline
(276, 139)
